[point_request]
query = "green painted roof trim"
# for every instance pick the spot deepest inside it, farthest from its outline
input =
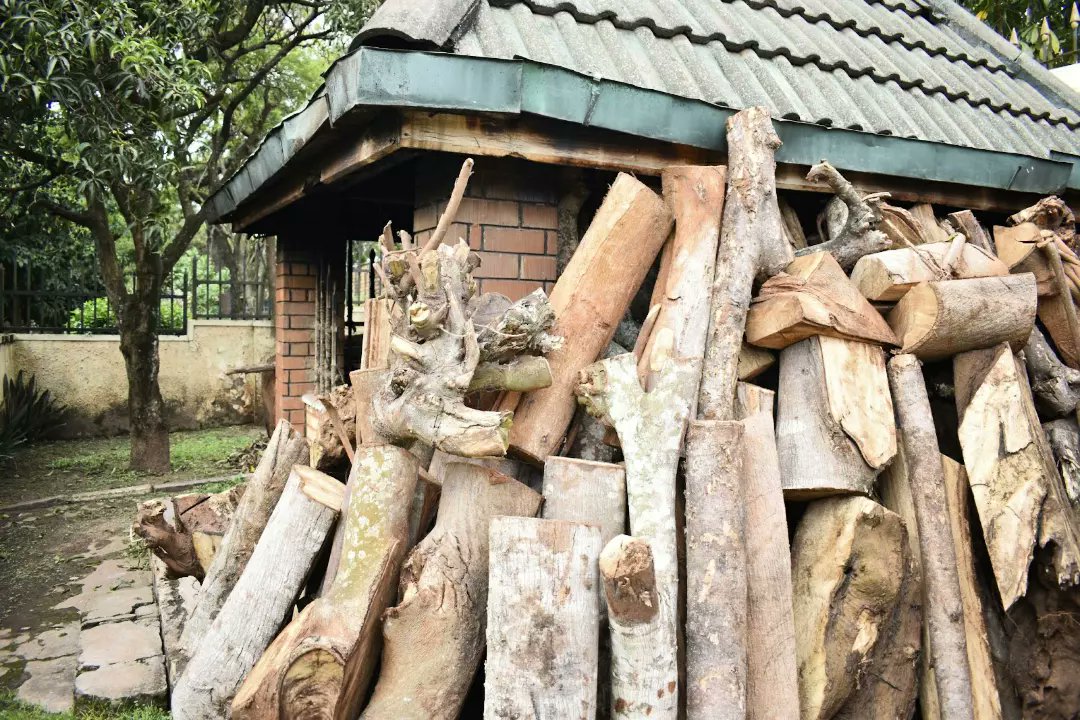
(374, 77)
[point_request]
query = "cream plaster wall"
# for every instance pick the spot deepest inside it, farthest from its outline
(86, 373)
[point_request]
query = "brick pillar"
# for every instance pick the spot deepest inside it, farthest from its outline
(294, 313)
(509, 216)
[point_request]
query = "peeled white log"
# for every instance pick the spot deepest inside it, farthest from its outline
(887, 276)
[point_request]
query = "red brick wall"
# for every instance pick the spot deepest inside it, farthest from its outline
(294, 317)
(509, 216)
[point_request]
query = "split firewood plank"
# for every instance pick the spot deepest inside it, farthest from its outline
(589, 299)
(262, 598)
(835, 429)
(901, 227)
(323, 660)
(856, 611)
(965, 222)
(543, 620)
(943, 608)
(1021, 499)
(887, 276)
(716, 594)
(772, 683)
(434, 639)
(1054, 385)
(813, 296)
(753, 361)
(378, 330)
(854, 230)
(750, 399)
(285, 449)
(929, 224)
(793, 229)
(938, 319)
(752, 246)
(695, 195)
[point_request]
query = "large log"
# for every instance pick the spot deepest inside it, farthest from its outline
(1064, 438)
(642, 679)
(589, 299)
(938, 319)
(772, 684)
(835, 429)
(322, 662)
(378, 329)
(856, 611)
(752, 246)
(887, 276)
(650, 427)
(1020, 497)
(813, 296)
(434, 639)
(285, 449)
(262, 598)
(695, 195)
(543, 620)
(1054, 385)
(943, 607)
(715, 571)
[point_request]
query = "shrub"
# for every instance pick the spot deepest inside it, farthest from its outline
(26, 413)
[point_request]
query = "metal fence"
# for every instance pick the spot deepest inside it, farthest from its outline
(361, 283)
(245, 293)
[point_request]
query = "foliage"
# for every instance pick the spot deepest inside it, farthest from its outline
(12, 709)
(26, 413)
(1045, 28)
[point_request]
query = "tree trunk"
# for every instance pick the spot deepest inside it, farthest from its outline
(752, 245)
(772, 683)
(263, 597)
(835, 429)
(139, 320)
(1020, 497)
(589, 300)
(543, 620)
(321, 664)
(937, 319)
(943, 610)
(887, 276)
(285, 449)
(715, 571)
(856, 611)
(650, 427)
(813, 296)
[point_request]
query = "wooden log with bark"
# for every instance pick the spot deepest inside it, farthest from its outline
(1020, 497)
(445, 334)
(262, 598)
(887, 276)
(434, 638)
(588, 301)
(858, 235)
(929, 225)
(937, 319)
(901, 227)
(542, 583)
(285, 449)
(857, 615)
(965, 222)
(772, 685)
(752, 246)
(321, 663)
(943, 607)
(835, 429)
(813, 296)
(650, 427)
(1064, 438)
(1054, 385)
(715, 571)
(753, 361)
(331, 428)
(185, 532)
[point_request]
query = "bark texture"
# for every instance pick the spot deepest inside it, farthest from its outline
(859, 234)
(543, 578)
(887, 276)
(1055, 385)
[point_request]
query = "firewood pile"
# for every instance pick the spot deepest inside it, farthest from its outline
(887, 521)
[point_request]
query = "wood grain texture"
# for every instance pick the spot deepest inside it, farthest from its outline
(887, 276)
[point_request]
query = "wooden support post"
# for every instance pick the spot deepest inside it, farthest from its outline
(262, 597)
(835, 429)
(285, 449)
(434, 639)
(589, 299)
(543, 620)
(944, 608)
(323, 661)
(715, 571)
(856, 611)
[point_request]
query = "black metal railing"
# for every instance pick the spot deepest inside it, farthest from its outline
(243, 293)
(361, 283)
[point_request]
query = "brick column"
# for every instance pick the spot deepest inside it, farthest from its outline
(294, 317)
(509, 216)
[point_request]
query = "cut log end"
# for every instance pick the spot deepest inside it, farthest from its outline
(626, 565)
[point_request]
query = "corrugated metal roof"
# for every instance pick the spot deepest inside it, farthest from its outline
(892, 67)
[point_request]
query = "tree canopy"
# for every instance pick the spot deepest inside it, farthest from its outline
(1045, 28)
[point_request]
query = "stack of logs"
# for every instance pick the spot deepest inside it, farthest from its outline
(803, 550)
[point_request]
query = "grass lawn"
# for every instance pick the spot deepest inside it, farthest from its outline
(64, 467)
(12, 709)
